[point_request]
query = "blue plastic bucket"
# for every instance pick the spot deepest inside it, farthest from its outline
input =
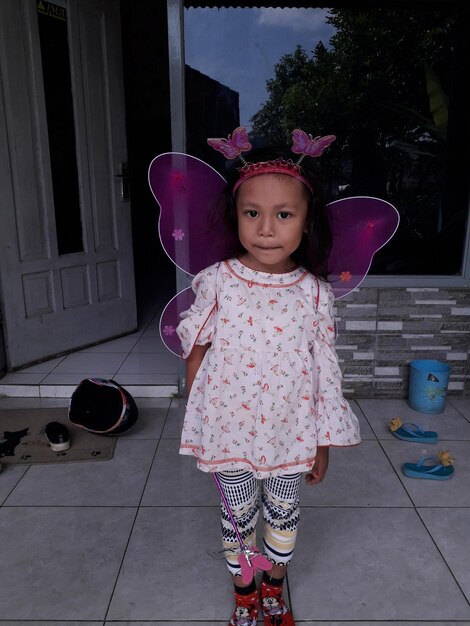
(428, 386)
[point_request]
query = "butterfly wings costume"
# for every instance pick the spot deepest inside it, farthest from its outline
(264, 392)
(194, 236)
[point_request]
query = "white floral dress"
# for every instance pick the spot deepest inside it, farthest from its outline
(268, 390)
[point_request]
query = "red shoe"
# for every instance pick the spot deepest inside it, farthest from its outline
(275, 610)
(246, 610)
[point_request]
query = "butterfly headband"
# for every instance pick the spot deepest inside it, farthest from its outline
(302, 144)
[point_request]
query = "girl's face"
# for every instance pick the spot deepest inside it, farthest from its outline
(272, 215)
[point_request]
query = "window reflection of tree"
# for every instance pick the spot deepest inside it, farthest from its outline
(368, 85)
(371, 89)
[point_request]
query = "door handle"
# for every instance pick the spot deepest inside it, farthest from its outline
(124, 180)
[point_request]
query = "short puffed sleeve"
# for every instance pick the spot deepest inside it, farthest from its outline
(336, 423)
(197, 323)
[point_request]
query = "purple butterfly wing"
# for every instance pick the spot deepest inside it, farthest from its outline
(241, 140)
(300, 141)
(170, 318)
(361, 225)
(191, 225)
(319, 145)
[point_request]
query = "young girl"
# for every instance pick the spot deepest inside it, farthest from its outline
(264, 385)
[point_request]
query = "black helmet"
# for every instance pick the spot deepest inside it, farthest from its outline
(102, 406)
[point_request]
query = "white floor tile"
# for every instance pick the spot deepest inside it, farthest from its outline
(155, 403)
(450, 425)
(378, 623)
(146, 379)
(153, 328)
(170, 544)
(84, 362)
(148, 363)
(366, 430)
(60, 563)
(450, 530)
(151, 343)
(357, 476)
(172, 623)
(57, 391)
(22, 378)
(371, 564)
(149, 424)
(46, 623)
(19, 391)
(174, 420)
(462, 405)
(122, 344)
(32, 403)
(55, 379)
(9, 477)
(388, 408)
(42, 368)
(423, 492)
(176, 481)
(153, 391)
(117, 482)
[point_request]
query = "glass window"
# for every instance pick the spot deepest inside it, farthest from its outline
(52, 22)
(388, 82)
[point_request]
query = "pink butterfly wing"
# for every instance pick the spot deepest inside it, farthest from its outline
(191, 225)
(317, 146)
(191, 222)
(247, 570)
(225, 146)
(240, 140)
(232, 147)
(300, 141)
(361, 225)
(170, 318)
(260, 563)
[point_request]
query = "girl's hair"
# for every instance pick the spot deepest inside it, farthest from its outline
(316, 243)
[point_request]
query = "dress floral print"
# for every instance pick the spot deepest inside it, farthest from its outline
(268, 390)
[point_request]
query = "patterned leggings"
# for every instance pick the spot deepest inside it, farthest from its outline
(280, 500)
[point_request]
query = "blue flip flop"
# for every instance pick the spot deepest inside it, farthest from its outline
(412, 432)
(432, 472)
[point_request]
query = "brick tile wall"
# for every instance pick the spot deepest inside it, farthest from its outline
(381, 330)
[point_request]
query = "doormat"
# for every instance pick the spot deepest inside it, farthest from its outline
(22, 438)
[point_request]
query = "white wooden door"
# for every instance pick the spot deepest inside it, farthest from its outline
(55, 296)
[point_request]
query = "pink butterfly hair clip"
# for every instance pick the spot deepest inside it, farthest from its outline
(306, 145)
(234, 145)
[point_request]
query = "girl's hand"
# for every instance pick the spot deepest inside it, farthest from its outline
(317, 474)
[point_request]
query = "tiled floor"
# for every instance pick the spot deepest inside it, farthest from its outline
(126, 541)
(138, 361)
